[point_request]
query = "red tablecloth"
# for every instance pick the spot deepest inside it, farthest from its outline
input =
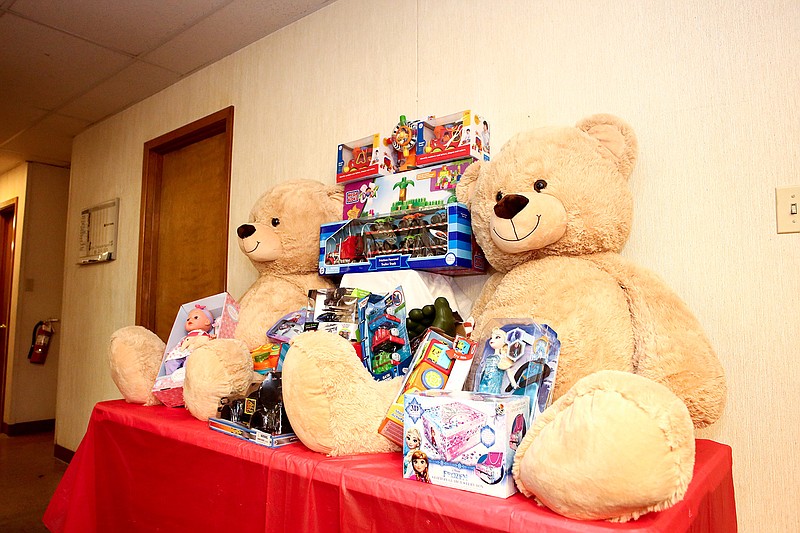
(158, 469)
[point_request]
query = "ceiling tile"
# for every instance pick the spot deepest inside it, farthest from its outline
(49, 141)
(9, 160)
(48, 67)
(237, 25)
(133, 84)
(16, 118)
(108, 23)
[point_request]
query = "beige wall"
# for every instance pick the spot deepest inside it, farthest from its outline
(710, 87)
(42, 192)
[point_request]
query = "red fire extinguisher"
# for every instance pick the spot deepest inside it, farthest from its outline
(40, 343)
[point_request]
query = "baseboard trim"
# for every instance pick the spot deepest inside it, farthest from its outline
(29, 428)
(63, 454)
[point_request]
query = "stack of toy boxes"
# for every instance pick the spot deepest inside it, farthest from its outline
(168, 387)
(410, 219)
(463, 440)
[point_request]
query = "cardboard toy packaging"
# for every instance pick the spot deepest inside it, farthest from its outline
(451, 137)
(364, 158)
(437, 239)
(168, 387)
(464, 440)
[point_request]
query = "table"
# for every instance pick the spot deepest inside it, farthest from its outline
(159, 469)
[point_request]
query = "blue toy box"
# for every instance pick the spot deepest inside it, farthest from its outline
(436, 239)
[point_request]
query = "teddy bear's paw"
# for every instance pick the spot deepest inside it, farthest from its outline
(616, 446)
(217, 369)
(134, 356)
(333, 404)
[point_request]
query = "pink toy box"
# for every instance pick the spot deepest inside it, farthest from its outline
(364, 158)
(168, 387)
(415, 189)
(463, 440)
(452, 137)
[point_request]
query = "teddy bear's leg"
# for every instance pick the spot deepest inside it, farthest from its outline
(333, 403)
(134, 357)
(616, 446)
(218, 368)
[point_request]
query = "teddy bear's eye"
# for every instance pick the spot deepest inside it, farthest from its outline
(499, 196)
(275, 222)
(539, 185)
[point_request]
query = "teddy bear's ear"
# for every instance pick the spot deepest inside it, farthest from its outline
(616, 136)
(466, 185)
(336, 193)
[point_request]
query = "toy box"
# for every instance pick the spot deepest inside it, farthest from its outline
(439, 362)
(437, 239)
(520, 358)
(252, 435)
(364, 158)
(335, 311)
(416, 189)
(463, 440)
(452, 137)
(168, 387)
(385, 348)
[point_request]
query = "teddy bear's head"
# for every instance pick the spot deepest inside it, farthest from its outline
(553, 191)
(282, 235)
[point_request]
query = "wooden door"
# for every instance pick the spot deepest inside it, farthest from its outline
(184, 222)
(8, 211)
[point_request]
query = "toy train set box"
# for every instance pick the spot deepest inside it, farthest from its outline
(463, 440)
(436, 238)
(452, 137)
(364, 158)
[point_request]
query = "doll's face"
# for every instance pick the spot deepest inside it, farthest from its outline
(412, 441)
(197, 320)
(498, 338)
(420, 465)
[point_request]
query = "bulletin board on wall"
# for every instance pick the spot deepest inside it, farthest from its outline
(98, 239)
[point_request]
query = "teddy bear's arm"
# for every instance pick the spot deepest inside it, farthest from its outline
(671, 346)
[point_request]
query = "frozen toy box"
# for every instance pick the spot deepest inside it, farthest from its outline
(168, 387)
(452, 137)
(435, 239)
(463, 440)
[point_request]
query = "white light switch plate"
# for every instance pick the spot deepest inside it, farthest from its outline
(787, 206)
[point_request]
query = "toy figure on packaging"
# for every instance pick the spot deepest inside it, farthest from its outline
(404, 140)
(494, 363)
(419, 464)
(413, 441)
(199, 325)
(281, 240)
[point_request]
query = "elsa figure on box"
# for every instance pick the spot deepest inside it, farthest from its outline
(199, 324)
(492, 375)
(413, 440)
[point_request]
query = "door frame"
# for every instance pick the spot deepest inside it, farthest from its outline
(214, 124)
(9, 206)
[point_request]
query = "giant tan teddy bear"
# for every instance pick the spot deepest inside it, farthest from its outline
(636, 373)
(281, 239)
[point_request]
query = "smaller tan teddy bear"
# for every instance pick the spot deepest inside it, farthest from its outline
(281, 240)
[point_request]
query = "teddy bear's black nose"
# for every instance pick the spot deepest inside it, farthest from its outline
(245, 230)
(510, 205)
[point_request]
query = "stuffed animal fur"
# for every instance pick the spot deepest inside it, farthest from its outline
(281, 240)
(636, 372)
